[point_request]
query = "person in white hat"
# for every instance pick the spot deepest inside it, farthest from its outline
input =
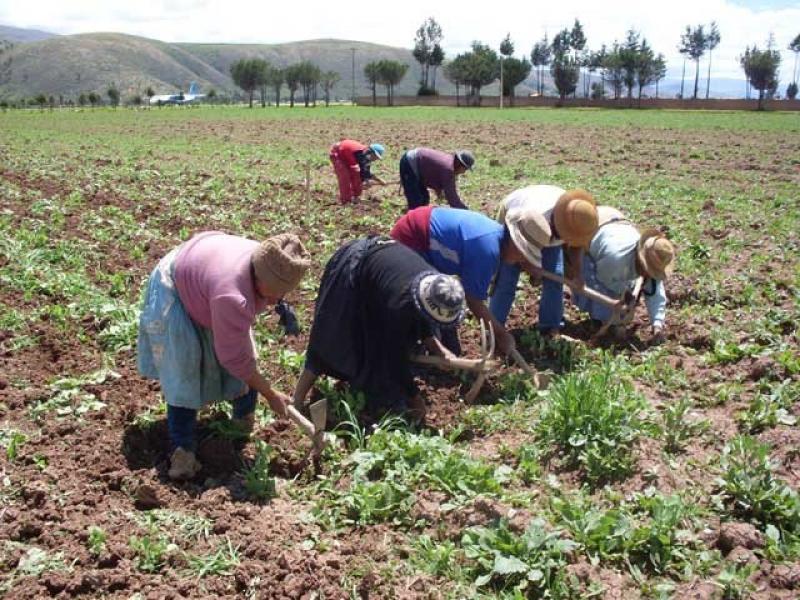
(571, 219)
(377, 300)
(618, 254)
(473, 246)
(195, 329)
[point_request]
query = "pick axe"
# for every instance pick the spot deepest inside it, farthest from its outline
(315, 429)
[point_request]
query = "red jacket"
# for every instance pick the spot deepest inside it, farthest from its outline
(346, 149)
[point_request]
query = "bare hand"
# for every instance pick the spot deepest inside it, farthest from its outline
(658, 334)
(505, 342)
(278, 403)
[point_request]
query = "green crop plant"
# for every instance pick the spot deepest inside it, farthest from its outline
(734, 581)
(532, 564)
(68, 398)
(676, 426)
(389, 464)
(439, 558)
(12, 440)
(96, 540)
(151, 550)
(151, 415)
(257, 479)
(749, 488)
(594, 417)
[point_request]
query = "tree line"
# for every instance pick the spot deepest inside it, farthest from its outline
(256, 74)
(624, 68)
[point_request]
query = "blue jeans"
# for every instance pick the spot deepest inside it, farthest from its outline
(181, 421)
(551, 304)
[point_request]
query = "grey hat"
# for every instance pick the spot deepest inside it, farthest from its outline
(466, 158)
(440, 298)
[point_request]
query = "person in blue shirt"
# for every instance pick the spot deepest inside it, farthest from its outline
(473, 246)
(617, 255)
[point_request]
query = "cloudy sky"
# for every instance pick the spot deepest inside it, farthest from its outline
(741, 22)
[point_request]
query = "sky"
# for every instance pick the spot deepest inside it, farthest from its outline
(741, 22)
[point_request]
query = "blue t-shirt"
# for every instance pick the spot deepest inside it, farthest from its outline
(466, 244)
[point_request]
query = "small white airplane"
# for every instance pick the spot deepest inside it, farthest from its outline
(180, 98)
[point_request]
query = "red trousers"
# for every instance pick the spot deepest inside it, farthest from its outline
(349, 177)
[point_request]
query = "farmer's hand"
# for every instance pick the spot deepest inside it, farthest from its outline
(278, 402)
(505, 342)
(658, 334)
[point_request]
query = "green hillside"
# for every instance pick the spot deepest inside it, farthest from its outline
(69, 65)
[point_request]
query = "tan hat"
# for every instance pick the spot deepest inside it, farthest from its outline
(529, 231)
(280, 263)
(606, 214)
(656, 253)
(575, 216)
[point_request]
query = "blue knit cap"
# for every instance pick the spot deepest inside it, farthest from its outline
(377, 150)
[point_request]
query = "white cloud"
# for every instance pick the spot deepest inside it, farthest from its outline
(394, 23)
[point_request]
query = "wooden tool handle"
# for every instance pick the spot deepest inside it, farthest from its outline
(585, 291)
(466, 364)
(522, 362)
(304, 424)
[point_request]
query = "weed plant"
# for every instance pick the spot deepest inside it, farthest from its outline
(257, 479)
(594, 417)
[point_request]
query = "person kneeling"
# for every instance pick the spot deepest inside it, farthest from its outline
(195, 329)
(376, 301)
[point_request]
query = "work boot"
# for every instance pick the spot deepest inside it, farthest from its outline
(183, 465)
(246, 423)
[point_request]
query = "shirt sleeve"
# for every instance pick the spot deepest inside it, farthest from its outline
(451, 194)
(233, 345)
(656, 301)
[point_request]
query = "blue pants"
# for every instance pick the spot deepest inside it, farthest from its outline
(181, 421)
(414, 190)
(551, 304)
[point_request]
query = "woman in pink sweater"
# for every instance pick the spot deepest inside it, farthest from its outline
(195, 329)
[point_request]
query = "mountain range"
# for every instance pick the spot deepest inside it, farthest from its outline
(36, 62)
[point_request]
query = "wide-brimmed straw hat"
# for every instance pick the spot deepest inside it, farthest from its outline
(439, 298)
(575, 217)
(529, 231)
(280, 263)
(656, 253)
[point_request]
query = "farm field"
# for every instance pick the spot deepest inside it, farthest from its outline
(643, 471)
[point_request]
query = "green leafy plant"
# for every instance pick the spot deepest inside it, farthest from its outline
(676, 428)
(770, 409)
(750, 489)
(151, 550)
(593, 417)
(12, 440)
(533, 563)
(734, 581)
(257, 479)
(96, 540)
(438, 558)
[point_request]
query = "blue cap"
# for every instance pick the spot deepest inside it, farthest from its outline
(377, 150)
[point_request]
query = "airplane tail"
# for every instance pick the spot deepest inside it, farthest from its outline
(193, 89)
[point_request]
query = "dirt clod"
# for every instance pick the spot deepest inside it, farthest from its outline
(733, 535)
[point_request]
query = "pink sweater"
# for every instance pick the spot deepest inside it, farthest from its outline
(214, 282)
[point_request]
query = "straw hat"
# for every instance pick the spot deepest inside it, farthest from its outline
(440, 298)
(575, 216)
(656, 253)
(606, 214)
(529, 231)
(280, 263)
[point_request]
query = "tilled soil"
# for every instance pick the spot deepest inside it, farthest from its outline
(107, 468)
